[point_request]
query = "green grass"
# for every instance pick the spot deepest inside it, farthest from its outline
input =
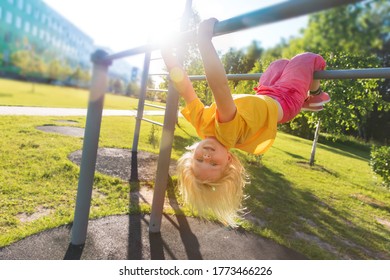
(336, 209)
(15, 93)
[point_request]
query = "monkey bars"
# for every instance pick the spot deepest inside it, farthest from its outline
(101, 62)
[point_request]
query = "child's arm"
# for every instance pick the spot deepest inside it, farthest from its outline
(215, 72)
(178, 76)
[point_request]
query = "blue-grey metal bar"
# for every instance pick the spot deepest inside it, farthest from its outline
(282, 11)
(140, 113)
(153, 122)
(90, 147)
(155, 106)
(366, 73)
(167, 137)
(157, 90)
(275, 13)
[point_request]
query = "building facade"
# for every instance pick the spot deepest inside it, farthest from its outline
(32, 26)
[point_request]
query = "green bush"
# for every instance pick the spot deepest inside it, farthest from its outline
(380, 162)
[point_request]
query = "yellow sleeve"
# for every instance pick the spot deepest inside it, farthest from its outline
(201, 117)
(229, 132)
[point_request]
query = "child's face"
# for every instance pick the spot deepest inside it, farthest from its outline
(210, 159)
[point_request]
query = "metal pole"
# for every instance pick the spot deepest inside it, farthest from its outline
(278, 12)
(370, 73)
(367, 73)
(164, 157)
(90, 146)
(315, 141)
(275, 13)
(140, 113)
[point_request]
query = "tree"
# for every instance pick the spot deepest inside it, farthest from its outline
(241, 61)
(80, 77)
(30, 64)
(355, 36)
(57, 70)
(352, 100)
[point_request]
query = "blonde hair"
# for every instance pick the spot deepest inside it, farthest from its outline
(222, 198)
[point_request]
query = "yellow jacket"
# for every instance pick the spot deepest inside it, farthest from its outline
(252, 130)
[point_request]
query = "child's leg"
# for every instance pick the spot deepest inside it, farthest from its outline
(316, 99)
(273, 72)
(295, 82)
(298, 74)
(314, 86)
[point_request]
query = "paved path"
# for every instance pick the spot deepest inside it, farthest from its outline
(43, 111)
(127, 237)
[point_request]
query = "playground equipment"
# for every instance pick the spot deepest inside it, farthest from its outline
(102, 61)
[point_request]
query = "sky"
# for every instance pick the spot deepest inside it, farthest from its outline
(125, 24)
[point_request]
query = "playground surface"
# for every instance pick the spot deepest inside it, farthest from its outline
(127, 237)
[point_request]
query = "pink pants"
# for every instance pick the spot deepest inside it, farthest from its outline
(288, 81)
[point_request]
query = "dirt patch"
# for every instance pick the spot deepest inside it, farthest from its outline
(67, 121)
(370, 201)
(112, 161)
(40, 212)
(64, 130)
(117, 163)
(317, 167)
(384, 222)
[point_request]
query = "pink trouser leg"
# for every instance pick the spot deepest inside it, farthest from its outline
(288, 81)
(273, 72)
(298, 73)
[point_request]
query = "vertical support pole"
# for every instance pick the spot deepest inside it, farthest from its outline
(90, 146)
(315, 141)
(164, 157)
(140, 113)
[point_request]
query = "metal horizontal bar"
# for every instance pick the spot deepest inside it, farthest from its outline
(156, 58)
(157, 90)
(234, 77)
(366, 73)
(278, 12)
(282, 11)
(155, 106)
(158, 74)
(151, 121)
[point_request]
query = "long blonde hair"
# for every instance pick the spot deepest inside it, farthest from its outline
(222, 198)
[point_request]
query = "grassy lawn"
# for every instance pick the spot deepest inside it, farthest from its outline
(336, 209)
(15, 93)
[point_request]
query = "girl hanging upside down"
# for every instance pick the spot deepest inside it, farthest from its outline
(210, 177)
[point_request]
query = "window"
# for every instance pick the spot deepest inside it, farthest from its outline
(34, 31)
(1, 12)
(27, 26)
(18, 22)
(8, 18)
(28, 8)
(20, 4)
